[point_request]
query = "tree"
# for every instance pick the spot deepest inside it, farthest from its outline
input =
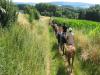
(93, 13)
(11, 13)
(82, 13)
(32, 12)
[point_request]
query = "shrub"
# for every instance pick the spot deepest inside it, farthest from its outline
(20, 51)
(95, 35)
(10, 14)
(87, 41)
(33, 13)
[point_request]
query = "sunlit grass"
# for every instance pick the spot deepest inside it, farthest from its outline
(23, 51)
(87, 36)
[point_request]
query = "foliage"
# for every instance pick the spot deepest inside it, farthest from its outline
(21, 6)
(53, 10)
(87, 41)
(23, 50)
(82, 13)
(10, 14)
(95, 34)
(92, 13)
(33, 13)
(83, 25)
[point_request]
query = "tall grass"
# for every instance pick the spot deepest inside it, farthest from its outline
(23, 51)
(87, 41)
(10, 14)
(83, 25)
(57, 63)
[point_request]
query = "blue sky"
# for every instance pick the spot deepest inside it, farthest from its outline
(37, 1)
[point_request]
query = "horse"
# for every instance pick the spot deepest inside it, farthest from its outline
(70, 49)
(61, 37)
(54, 26)
(70, 53)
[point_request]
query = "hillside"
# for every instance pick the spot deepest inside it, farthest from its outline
(72, 4)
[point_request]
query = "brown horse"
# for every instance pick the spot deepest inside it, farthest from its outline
(70, 54)
(70, 49)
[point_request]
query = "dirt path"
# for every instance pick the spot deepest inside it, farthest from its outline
(45, 21)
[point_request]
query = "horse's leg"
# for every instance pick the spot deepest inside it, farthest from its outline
(71, 65)
(59, 47)
(73, 57)
(72, 61)
(63, 48)
(68, 58)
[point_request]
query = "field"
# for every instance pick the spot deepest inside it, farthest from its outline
(87, 41)
(31, 48)
(28, 45)
(23, 48)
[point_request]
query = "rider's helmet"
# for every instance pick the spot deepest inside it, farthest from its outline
(70, 29)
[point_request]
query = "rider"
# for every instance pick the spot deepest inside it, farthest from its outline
(70, 37)
(65, 28)
(62, 37)
(70, 48)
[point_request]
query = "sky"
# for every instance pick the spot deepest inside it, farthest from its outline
(38, 1)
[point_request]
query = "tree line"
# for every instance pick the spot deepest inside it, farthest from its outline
(58, 11)
(8, 12)
(91, 13)
(30, 10)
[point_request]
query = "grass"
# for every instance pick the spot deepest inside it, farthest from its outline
(84, 25)
(31, 49)
(24, 50)
(57, 63)
(87, 36)
(87, 54)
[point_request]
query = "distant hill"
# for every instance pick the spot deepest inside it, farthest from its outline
(29, 3)
(73, 4)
